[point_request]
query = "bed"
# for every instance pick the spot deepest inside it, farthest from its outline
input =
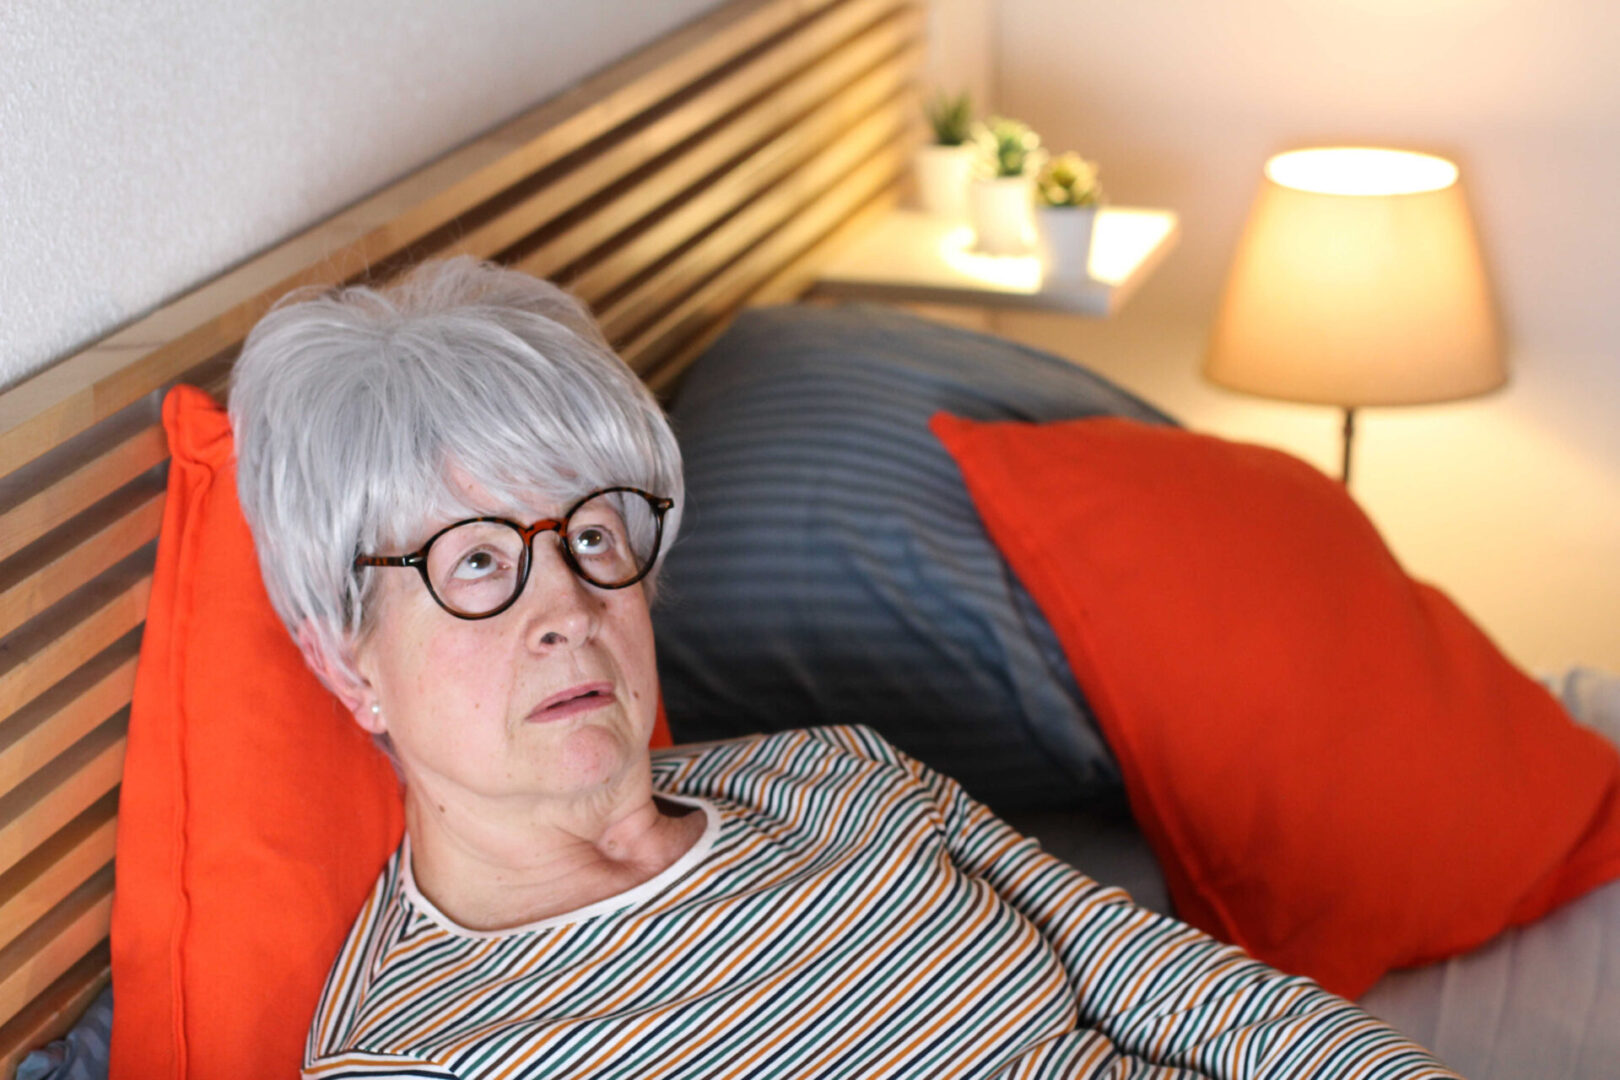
(706, 176)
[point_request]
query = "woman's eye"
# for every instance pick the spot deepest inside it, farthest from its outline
(592, 540)
(475, 565)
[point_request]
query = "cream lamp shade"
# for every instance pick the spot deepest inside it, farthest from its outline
(1358, 281)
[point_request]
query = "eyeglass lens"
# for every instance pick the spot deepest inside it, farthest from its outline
(477, 566)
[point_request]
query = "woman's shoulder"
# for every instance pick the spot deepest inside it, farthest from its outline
(854, 740)
(805, 793)
(822, 757)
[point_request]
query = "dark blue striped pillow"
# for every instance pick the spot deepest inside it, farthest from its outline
(832, 569)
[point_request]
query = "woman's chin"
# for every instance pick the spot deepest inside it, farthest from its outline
(592, 754)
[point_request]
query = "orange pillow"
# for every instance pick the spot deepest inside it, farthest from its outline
(1338, 771)
(254, 814)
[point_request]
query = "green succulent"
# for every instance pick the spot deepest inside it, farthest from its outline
(1069, 180)
(1006, 147)
(951, 117)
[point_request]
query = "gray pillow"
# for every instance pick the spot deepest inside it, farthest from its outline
(84, 1053)
(832, 569)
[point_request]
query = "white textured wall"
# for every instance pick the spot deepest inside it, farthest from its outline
(1512, 502)
(147, 145)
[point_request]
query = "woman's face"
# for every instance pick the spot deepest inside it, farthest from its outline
(555, 697)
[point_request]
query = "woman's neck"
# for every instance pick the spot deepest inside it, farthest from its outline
(493, 867)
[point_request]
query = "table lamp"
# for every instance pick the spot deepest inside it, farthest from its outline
(1358, 281)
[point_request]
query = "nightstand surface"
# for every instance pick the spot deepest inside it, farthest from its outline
(912, 257)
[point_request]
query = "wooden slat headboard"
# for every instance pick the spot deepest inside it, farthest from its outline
(712, 170)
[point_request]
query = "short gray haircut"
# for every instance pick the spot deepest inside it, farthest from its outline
(351, 407)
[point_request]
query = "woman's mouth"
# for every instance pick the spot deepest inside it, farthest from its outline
(573, 701)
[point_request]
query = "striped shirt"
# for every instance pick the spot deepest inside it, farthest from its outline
(847, 913)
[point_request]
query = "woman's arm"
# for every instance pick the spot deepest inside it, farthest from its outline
(1163, 991)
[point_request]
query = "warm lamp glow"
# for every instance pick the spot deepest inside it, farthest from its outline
(1353, 170)
(1345, 298)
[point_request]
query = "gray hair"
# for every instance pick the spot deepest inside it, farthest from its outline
(351, 407)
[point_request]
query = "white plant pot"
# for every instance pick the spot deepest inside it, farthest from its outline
(1064, 241)
(1003, 213)
(942, 175)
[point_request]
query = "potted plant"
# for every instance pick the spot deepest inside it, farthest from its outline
(944, 166)
(1000, 199)
(1067, 195)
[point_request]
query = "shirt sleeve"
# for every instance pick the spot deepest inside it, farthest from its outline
(1163, 991)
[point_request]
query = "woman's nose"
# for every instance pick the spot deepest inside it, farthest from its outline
(560, 609)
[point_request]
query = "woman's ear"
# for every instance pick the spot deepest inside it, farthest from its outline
(339, 675)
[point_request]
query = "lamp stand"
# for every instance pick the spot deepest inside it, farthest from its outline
(1349, 436)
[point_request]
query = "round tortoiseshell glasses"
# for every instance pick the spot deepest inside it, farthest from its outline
(477, 568)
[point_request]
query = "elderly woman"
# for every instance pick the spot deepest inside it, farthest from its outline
(459, 496)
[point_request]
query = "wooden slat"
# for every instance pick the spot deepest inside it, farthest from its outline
(723, 144)
(46, 650)
(86, 388)
(676, 339)
(41, 805)
(54, 1010)
(58, 866)
(72, 555)
(628, 155)
(764, 167)
(68, 480)
(725, 291)
(51, 947)
(797, 277)
(68, 711)
(873, 139)
(787, 284)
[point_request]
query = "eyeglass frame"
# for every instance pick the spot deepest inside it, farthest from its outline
(418, 559)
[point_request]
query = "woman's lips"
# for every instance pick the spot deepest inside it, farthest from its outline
(571, 702)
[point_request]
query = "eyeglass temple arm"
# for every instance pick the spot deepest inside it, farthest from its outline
(413, 559)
